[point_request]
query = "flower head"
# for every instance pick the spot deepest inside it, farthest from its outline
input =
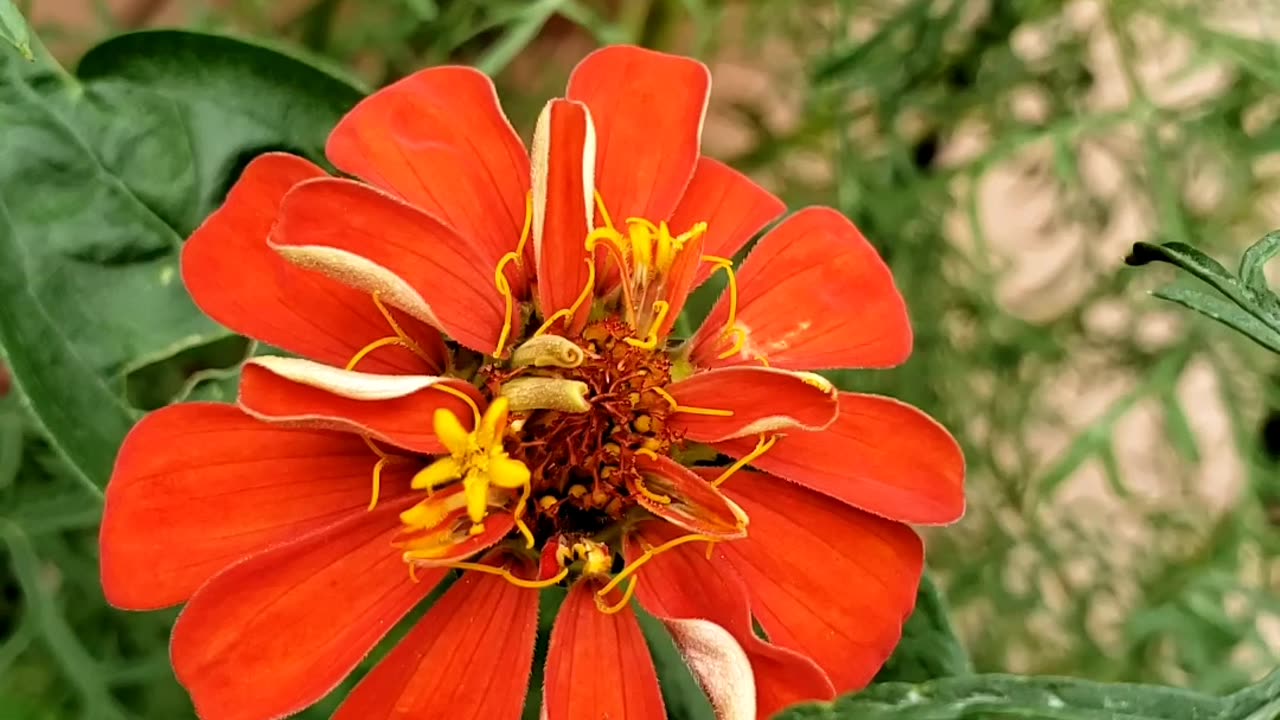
(488, 382)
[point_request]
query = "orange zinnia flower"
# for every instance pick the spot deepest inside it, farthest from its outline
(489, 386)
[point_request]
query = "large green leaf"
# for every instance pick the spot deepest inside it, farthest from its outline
(13, 29)
(985, 697)
(106, 172)
(83, 419)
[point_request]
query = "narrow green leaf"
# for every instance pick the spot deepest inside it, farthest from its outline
(84, 420)
(1227, 313)
(929, 647)
(983, 697)
(13, 28)
(1191, 260)
(1256, 258)
(1256, 702)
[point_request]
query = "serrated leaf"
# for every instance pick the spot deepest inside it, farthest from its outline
(13, 28)
(983, 697)
(929, 647)
(84, 420)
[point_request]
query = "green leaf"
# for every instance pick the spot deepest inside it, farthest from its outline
(1229, 314)
(984, 697)
(13, 28)
(84, 420)
(1256, 702)
(1253, 309)
(106, 173)
(929, 647)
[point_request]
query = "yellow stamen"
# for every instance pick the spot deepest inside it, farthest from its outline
(364, 351)
(395, 326)
(524, 232)
(739, 338)
(600, 208)
(508, 299)
(626, 599)
(762, 447)
(648, 555)
(501, 572)
(615, 243)
(688, 409)
(572, 311)
(661, 308)
(377, 482)
(475, 409)
(645, 491)
(731, 330)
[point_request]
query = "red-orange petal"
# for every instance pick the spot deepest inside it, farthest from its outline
(691, 502)
(469, 658)
(648, 108)
(681, 584)
(236, 279)
(827, 580)
(275, 633)
(734, 207)
(439, 140)
(598, 665)
(377, 243)
(880, 455)
(813, 295)
(200, 486)
(762, 400)
(394, 408)
(564, 146)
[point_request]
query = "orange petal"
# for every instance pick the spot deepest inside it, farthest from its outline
(598, 665)
(648, 108)
(880, 455)
(275, 633)
(564, 146)
(237, 280)
(693, 503)
(734, 207)
(377, 243)
(824, 579)
(682, 588)
(813, 294)
(761, 400)
(469, 658)
(394, 408)
(222, 486)
(439, 140)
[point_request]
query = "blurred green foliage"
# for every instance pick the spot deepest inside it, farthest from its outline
(868, 105)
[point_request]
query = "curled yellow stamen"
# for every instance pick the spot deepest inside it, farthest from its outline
(648, 555)
(377, 482)
(475, 410)
(363, 352)
(518, 516)
(626, 599)
(604, 213)
(395, 326)
(739, 338)
(677, 407)
(613, 241)
(661, 308)
(762, 447)
(569, 313)
(731, 330)
(508, 299)
(501, 572)
(645, 491)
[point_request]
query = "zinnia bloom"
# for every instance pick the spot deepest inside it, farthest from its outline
(485, 380)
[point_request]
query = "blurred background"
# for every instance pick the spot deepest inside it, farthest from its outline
(1003, 155)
